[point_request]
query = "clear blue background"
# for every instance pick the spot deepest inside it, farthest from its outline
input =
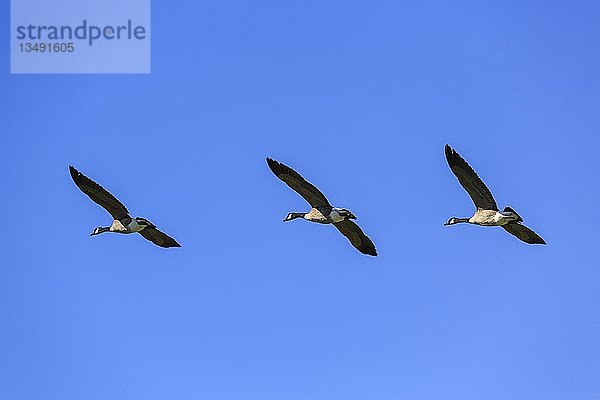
(359, 98)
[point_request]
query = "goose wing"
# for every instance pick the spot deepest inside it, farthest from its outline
(357, 237)
(99, 195)
(158, 238)
(523, 233)
(308, 191)
(479, 193)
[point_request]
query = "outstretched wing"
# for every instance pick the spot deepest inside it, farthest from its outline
(158, 238)
(99, 195)
(356, 236)
(523, 233)
(479, 193)
(308, 191)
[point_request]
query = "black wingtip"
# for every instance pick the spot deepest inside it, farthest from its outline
(540, 241)
(270, 162)
(450, 152)
(74, 173)
(275, 166)
(369, 252)
(368, 249)
(168, 245)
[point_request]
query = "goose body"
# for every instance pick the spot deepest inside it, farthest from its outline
(326, 215)
(321, 211)
(122, 221)
(487, 212)
(129, 225)
(493, 217)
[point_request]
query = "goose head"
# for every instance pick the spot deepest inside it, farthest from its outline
(455, 220)
(292, 216)
(99, 230)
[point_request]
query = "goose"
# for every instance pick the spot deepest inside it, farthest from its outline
(123, 223)
(487, 213)
(322, 212)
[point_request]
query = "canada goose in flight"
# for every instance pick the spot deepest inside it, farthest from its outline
(122, 223)
(487, 213)
(322, 212)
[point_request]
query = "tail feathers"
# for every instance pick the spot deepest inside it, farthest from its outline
(349, 215)
(508, 209)
(346, 213)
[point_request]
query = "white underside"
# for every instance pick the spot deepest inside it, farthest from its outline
(504, 218)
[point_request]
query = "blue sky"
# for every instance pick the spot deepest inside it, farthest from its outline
(360, 99)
